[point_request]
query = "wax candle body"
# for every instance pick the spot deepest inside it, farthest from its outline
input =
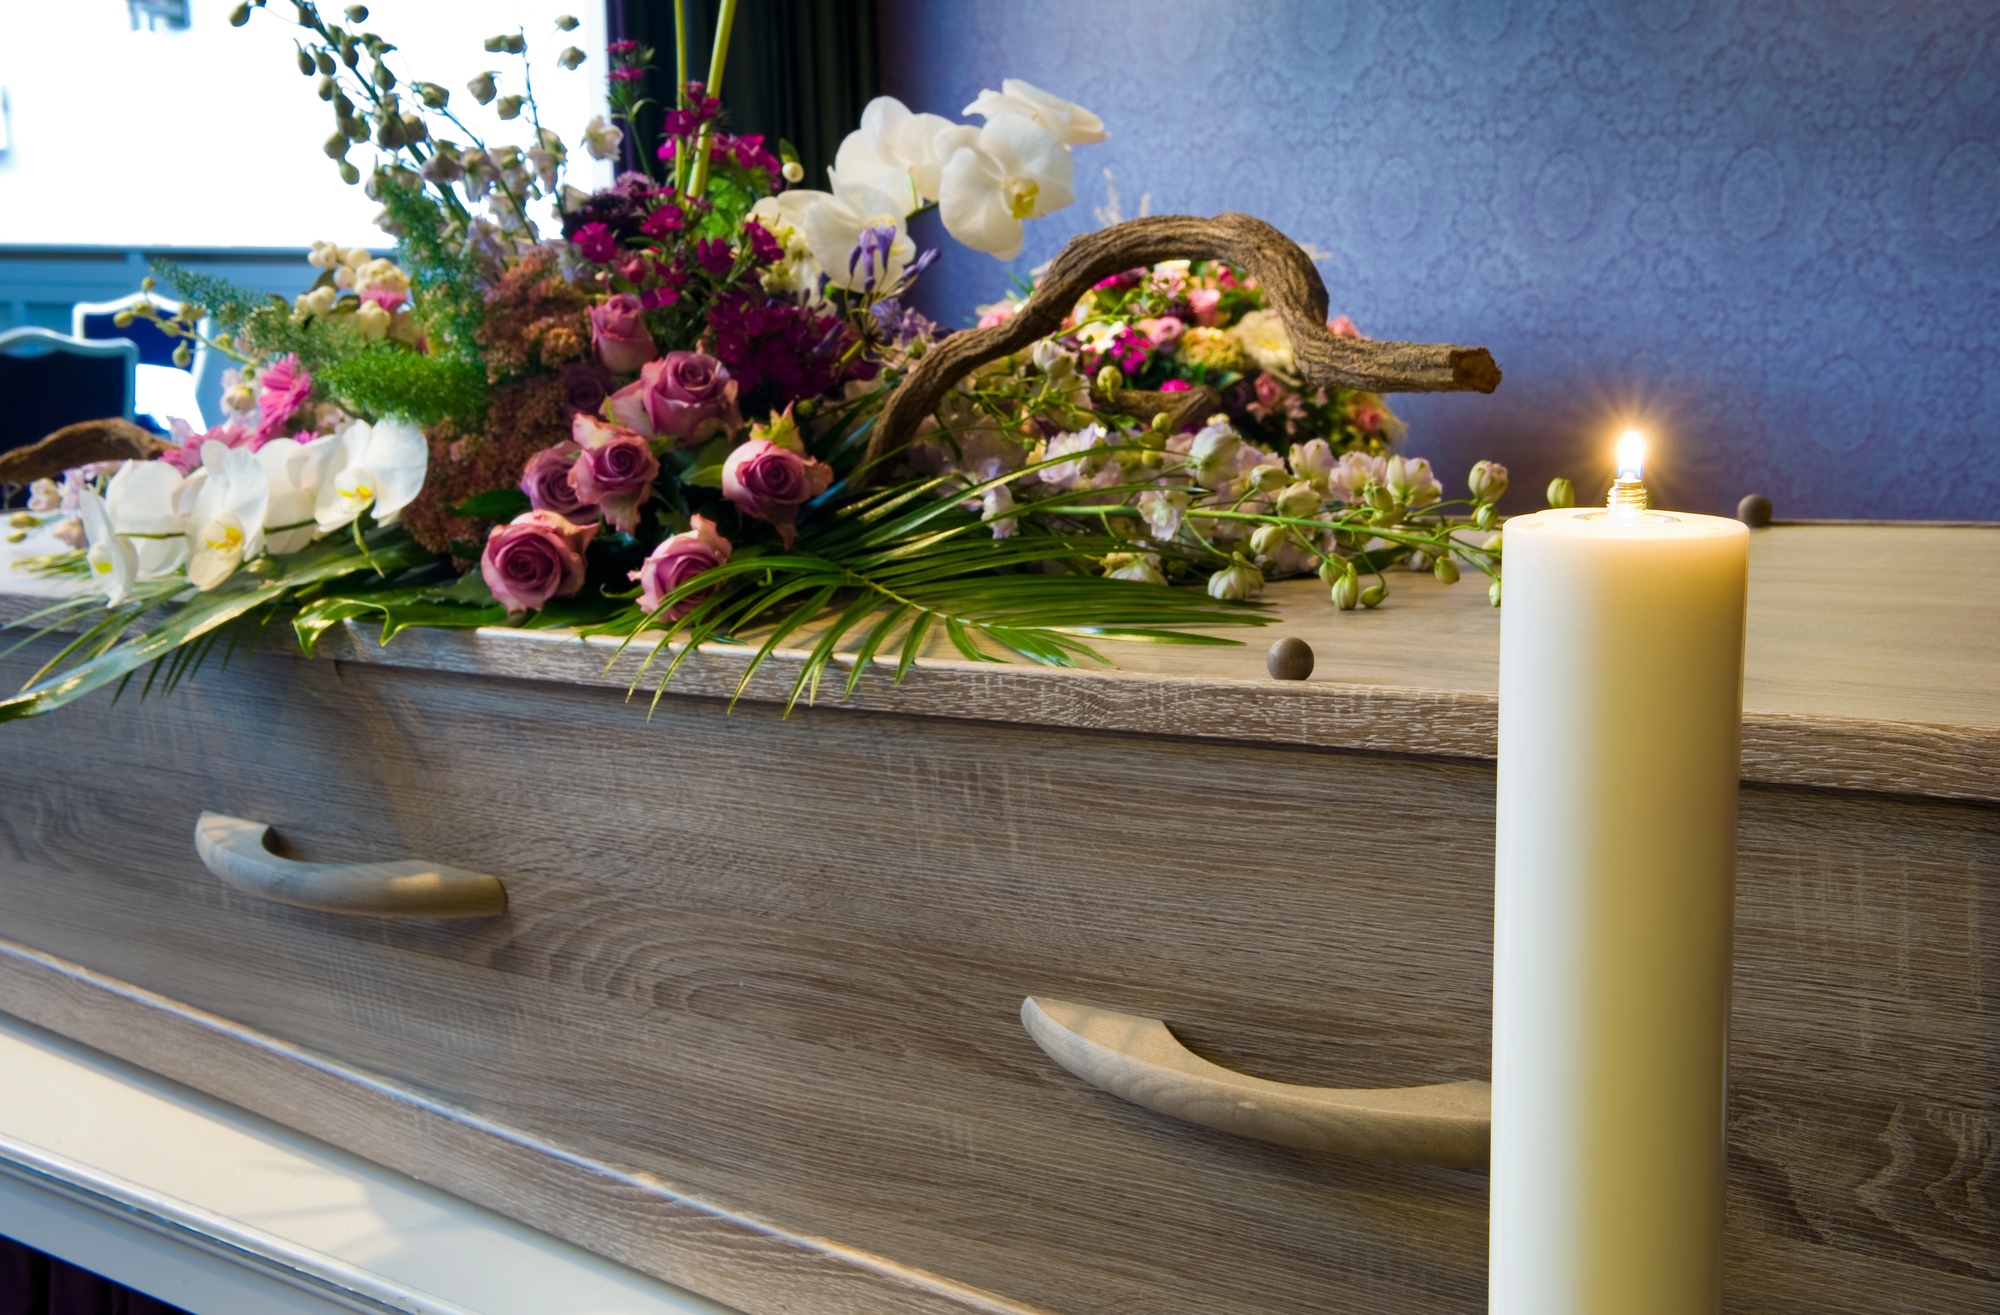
(1621, 685)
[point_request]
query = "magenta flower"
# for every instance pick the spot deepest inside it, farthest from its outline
(1176, 386)
(614, 472)
(618, 329)
(596, 243)
(764, 245)
(687, 396)
(537, 557)
(664, 221)
(545, 480)
(676, 561)
(772, 482)
(714, 255)
(284, 387)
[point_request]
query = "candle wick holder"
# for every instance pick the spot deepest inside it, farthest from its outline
(1628, 500)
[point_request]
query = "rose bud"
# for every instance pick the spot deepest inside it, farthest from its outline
(771, 483)
(545, 480)
(618, 331)
(676, 561)
(537, 557)
(614, 471)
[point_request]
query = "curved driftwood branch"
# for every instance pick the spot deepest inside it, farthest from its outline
(78, 445)
(1289, 280)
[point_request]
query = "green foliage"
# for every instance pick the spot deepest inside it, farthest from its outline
(440, 267)
(389, 379)
(493, 505)
(228, 304)
(899, 566)
(235, 611)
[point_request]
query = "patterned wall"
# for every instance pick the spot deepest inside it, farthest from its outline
(1769, 231)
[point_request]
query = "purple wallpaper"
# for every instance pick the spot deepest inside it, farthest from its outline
(1767, 232)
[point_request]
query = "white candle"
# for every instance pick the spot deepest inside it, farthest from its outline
(1621, 689)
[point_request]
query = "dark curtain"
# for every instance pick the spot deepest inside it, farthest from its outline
(35, 1284)
(800, 70)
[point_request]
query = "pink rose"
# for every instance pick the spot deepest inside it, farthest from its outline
(772, 482)
(618, 329)
(686, 396)
(676, 561)
(537, 557)
(1342, 327)
(545, 480)
(1162, 332)
(1205, 303)
(614, 471)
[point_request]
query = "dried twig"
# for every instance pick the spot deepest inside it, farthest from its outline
(79, 445)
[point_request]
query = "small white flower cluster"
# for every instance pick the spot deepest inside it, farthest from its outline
(986, 182)
(150, 523)
(379, 284)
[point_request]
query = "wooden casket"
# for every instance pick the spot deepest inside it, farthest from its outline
(750, 1020)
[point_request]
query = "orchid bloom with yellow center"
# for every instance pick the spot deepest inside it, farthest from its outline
(994, 177)
(374, 468)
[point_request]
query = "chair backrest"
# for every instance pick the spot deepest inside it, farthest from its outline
(50, 379)
(98, 320)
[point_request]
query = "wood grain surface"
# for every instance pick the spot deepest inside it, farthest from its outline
(1872, 664)
(777, 966)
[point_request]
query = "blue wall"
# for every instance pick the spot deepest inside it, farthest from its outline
(1769, 231)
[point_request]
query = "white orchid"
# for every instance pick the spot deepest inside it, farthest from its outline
(1070, 123)
(895, 152)
(377, 467)
(995, 177)
(602, 139)
(295, 472)
(223, 504)
(784, 217)
(112, 562)
(140, 499)
(835, 224)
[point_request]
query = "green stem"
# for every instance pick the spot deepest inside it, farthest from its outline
(698, 180)
(680, 84)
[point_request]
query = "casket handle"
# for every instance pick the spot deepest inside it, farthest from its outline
(234, 850)
(1140, 1060)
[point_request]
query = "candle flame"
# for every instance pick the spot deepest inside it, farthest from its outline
(1631, 454)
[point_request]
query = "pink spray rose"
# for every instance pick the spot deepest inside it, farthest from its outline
(537, 557)
(676, 561)
(1164, 331)
(1205, 303)
(618, 329)
(614, 471)
(686, 396)
(772, 482)
(1342, 327)
(545, 480)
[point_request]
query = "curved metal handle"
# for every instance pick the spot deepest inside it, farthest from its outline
(233, 849)
(1139, 1059)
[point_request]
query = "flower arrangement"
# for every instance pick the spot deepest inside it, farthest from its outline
(644, 410)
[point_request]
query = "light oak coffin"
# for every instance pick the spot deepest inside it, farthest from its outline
(750, 1020)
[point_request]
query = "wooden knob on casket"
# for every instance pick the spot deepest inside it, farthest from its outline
(1754, 511)
(1289, 659)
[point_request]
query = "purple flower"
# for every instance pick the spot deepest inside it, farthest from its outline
(596, 243)
(546, 482)
(537, 557)
(687, 396)
(614, 471)
(772, 482)
(764, 245)
(676, 561)
(618, 329)
(714, 255)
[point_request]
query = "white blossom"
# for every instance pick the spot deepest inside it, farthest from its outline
(223, 504)
(835, 223)
(377, 467)
(1068, 122)
(895, 152)
(602, 139)
(995, 177)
